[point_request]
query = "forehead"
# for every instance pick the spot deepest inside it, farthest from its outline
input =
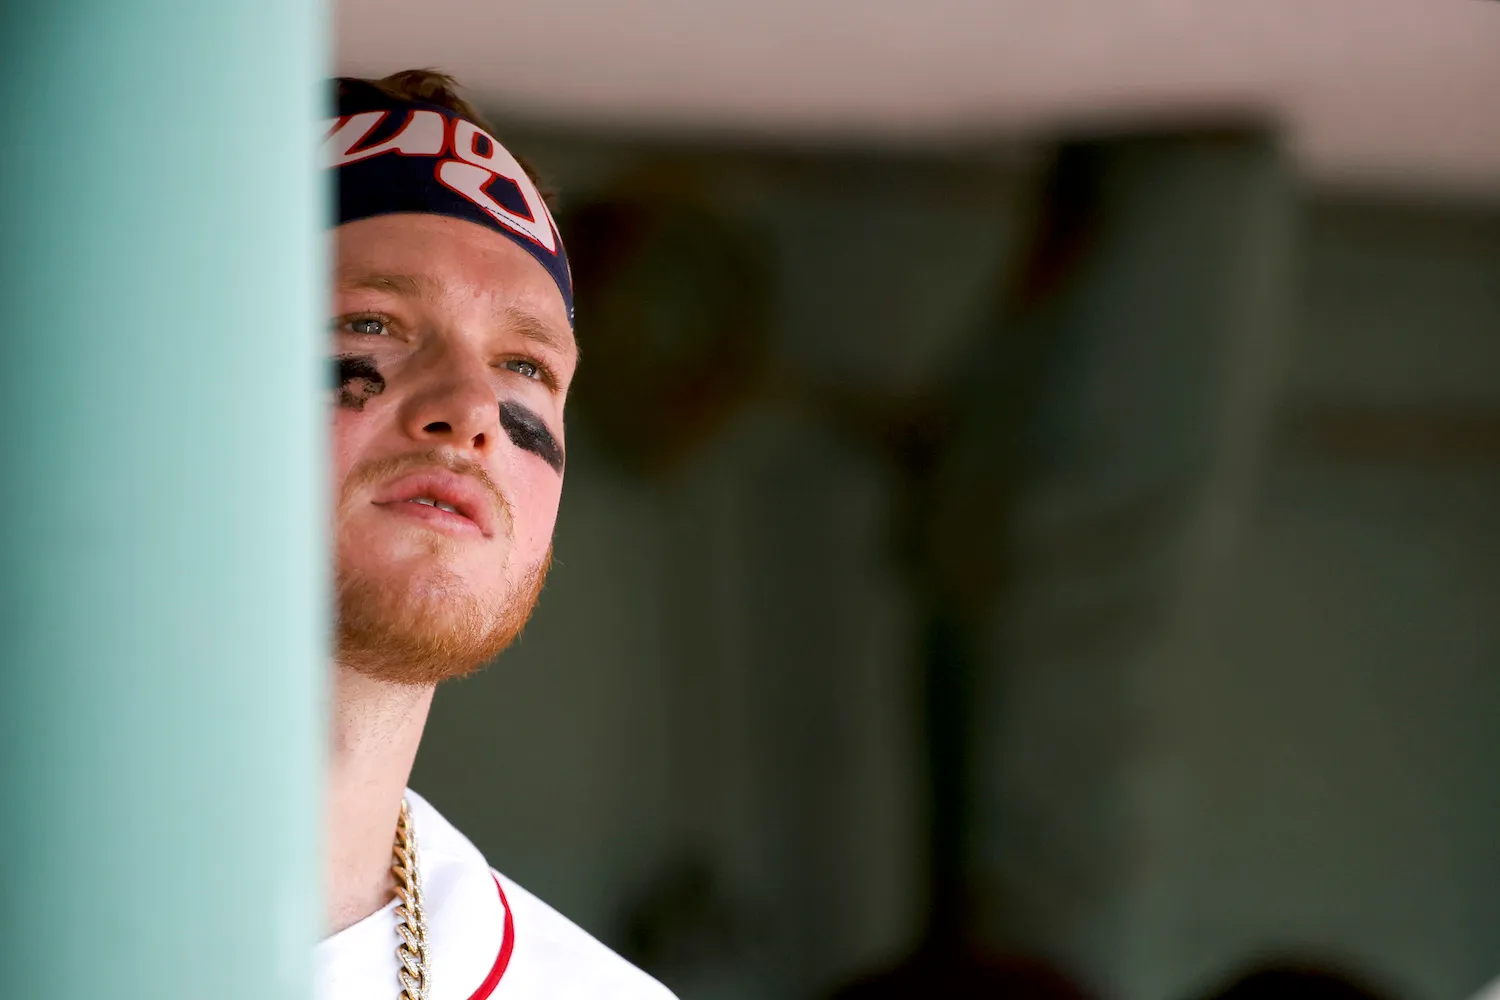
(450, 263)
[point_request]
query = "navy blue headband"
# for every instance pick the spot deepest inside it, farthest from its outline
(390, 155)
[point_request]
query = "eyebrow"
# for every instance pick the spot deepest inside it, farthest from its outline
(528, 326)
(413, 286)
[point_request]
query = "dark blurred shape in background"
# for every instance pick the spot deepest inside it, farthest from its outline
(1031, 500)
(1296, 981)
(972, 978)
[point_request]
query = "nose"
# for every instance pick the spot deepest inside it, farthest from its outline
(454, 404)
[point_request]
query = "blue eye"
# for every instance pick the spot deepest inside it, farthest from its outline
(524, 368)
(367, 325)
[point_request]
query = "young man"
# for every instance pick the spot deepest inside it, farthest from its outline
(453, 350)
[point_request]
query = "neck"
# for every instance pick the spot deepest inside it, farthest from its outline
(376, 728)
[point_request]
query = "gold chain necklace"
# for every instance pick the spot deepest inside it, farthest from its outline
(411, 919)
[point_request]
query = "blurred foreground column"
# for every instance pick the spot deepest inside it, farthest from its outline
(162, 628)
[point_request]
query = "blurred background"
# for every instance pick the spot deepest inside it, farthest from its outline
(1031, 514)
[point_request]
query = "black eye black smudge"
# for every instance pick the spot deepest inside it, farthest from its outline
(527, 432)
(357, 380)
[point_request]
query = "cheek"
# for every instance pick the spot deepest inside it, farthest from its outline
(534, 494)
(351, 433)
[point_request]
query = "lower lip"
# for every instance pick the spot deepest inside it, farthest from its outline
(433, 516)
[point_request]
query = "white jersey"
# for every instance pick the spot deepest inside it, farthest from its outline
(486, 937)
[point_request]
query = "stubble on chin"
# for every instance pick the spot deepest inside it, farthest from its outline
(423, 633)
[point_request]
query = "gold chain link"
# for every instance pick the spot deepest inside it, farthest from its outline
(411, 919)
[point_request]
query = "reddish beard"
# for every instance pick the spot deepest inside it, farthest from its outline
(421, 637)
(426, 631)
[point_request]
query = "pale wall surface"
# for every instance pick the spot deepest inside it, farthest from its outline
(1393, 89)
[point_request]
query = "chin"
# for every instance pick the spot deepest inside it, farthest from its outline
(425, 567)
(424, 622)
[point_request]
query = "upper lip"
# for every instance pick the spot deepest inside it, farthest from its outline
(463, 493)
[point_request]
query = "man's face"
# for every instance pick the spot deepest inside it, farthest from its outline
(454, 356)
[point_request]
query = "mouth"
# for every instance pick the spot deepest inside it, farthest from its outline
(442, 500)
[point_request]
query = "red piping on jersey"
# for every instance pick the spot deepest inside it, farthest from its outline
(507, 944)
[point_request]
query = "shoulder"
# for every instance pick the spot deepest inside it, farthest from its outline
(542, 953)
(556, 957)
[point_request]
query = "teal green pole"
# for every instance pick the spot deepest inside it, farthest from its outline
(163, 609)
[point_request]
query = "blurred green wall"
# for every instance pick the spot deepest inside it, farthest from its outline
(1236, 699)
